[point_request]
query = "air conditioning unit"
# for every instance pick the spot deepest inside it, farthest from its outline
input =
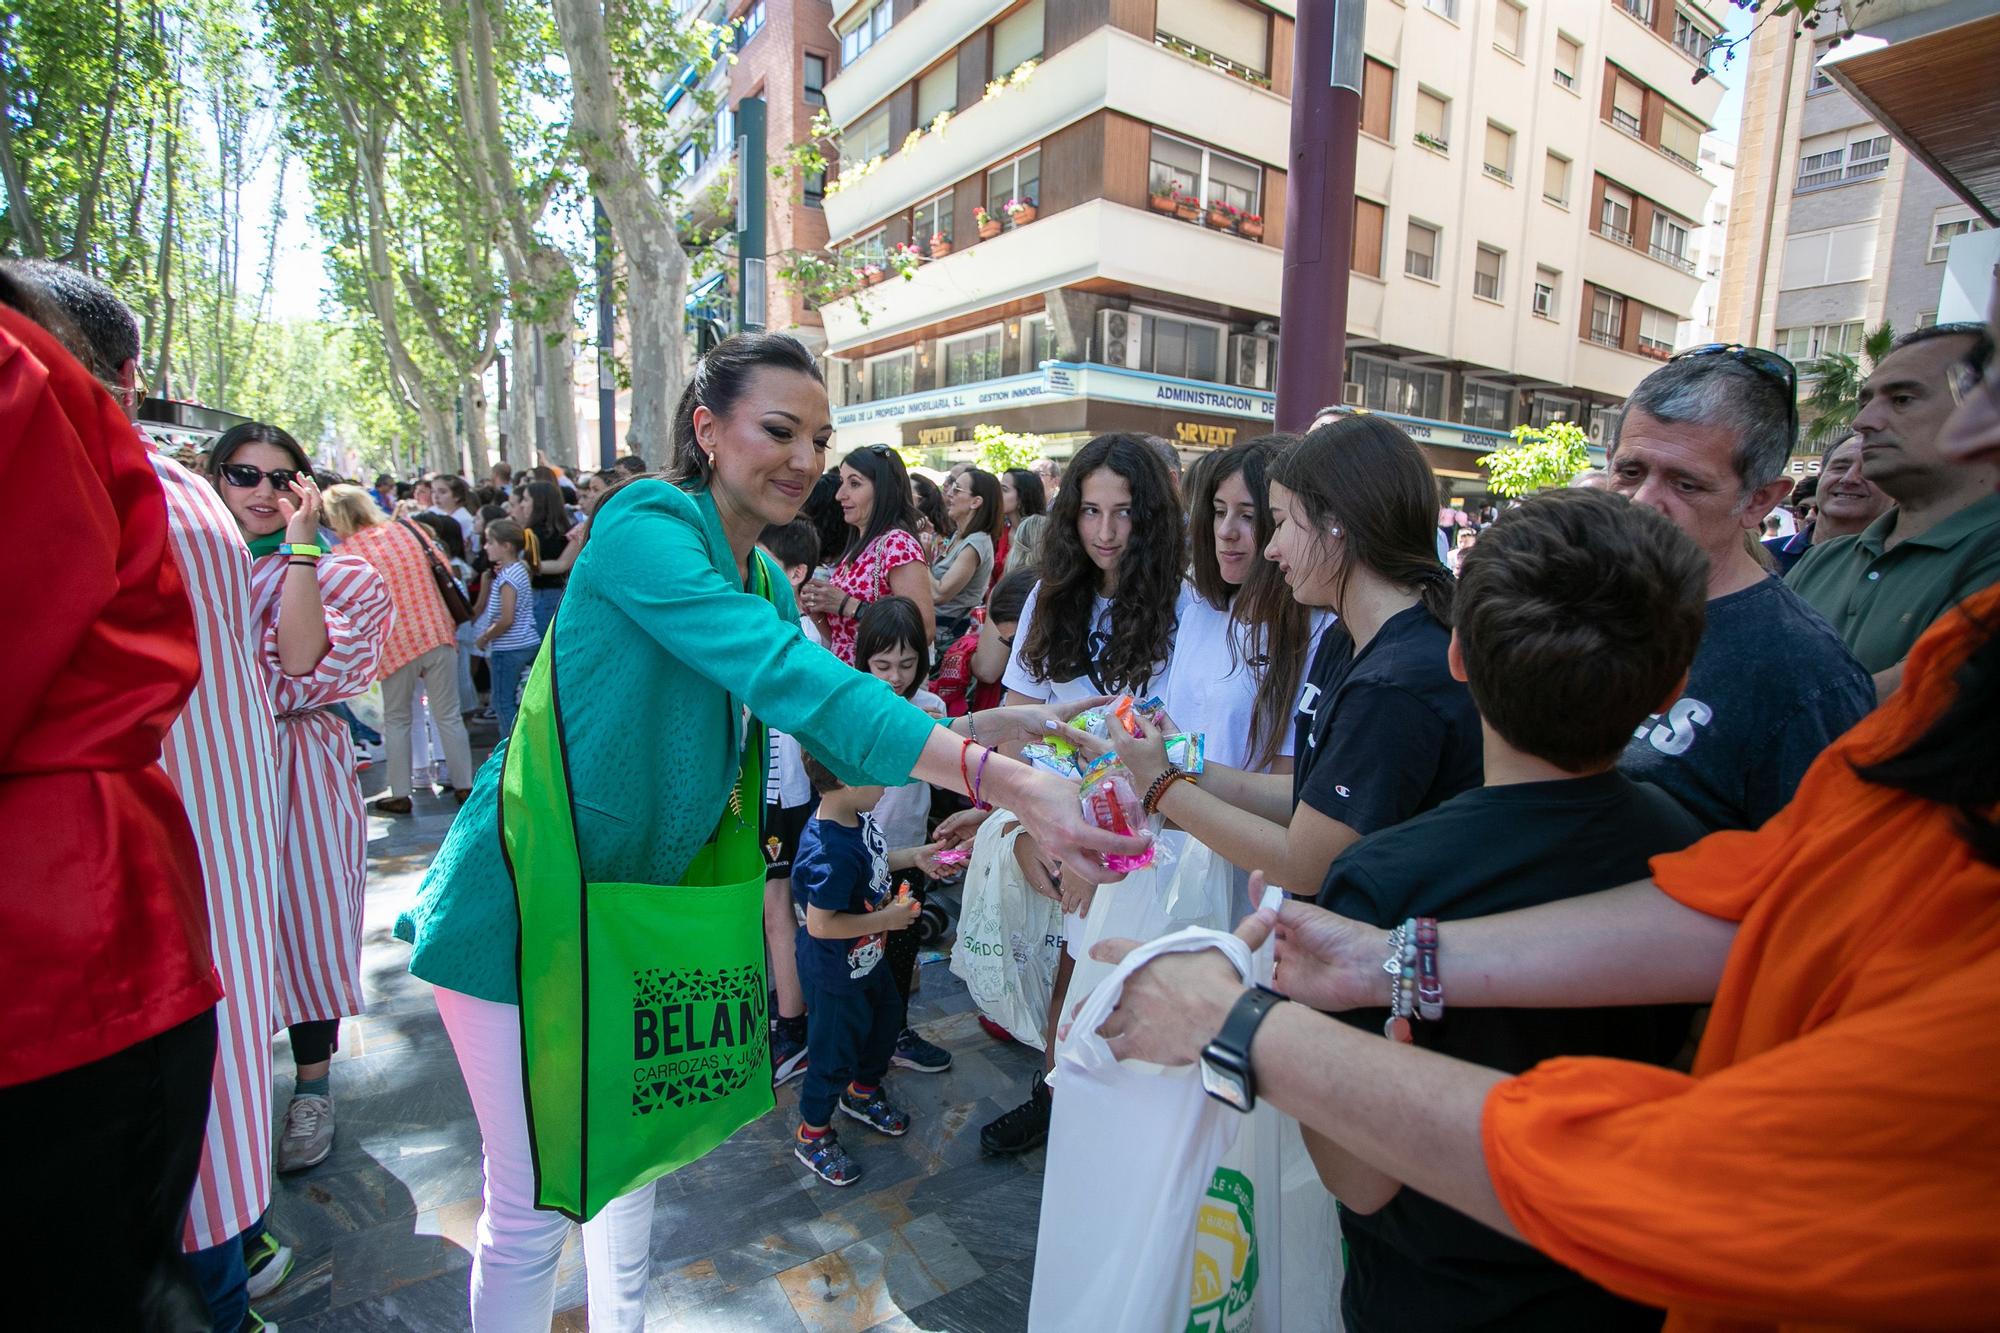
(1350, 394)
(1599, 430)
(1251, 357)
(1118, 337)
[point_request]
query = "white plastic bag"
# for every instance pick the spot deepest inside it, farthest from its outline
(1131, 1146)
(1009, 936)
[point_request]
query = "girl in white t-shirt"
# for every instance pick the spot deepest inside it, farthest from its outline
(1101, 621)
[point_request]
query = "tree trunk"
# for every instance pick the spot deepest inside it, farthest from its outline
(656, 265)
(163, 357)
(521, 399)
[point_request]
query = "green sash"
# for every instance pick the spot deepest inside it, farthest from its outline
(643, 1015)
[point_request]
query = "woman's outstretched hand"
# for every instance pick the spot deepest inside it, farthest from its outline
(1328, 961)
(1053, 812)
(1023, 724)
(1145, 754)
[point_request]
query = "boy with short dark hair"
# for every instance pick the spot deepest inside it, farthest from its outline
(1576, 616)
(841, 895)
(788, 801)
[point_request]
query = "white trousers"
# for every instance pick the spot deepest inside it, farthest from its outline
(515, 1252)
(438, 669)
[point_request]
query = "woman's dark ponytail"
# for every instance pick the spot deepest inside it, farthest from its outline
(719, 380)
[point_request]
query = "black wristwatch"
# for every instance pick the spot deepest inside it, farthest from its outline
(1225, 1061)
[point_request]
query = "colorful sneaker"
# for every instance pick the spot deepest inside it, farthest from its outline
(825, 1158)
(876, 1113)
(913, 1052)
(308, 1136)
(1024, 1126)
(788, 1056)
(256, 1323)
(269, 1263)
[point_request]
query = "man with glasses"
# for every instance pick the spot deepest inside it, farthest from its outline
(1705, 441)
(1882, 588)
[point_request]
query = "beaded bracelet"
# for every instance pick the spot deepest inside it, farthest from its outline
(1402, 969)
(1430, 985)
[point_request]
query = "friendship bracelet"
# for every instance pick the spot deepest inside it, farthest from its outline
(1162, 784)
(985, 753)
(1430, 985)
(1402, 969)
(964, 774)
(301, 548)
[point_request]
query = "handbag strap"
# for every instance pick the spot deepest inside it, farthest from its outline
(424, 544)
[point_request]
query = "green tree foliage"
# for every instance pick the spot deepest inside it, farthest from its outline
(1834, 400)
(1539, 458)
(1000, 449)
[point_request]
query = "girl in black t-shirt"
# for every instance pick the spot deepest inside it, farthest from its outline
(1383, 731)
(538, 507)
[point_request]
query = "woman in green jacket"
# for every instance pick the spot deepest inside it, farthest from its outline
(662, 643)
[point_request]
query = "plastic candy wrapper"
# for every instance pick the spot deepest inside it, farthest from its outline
(1185, 751)
(1110, 802)
(952, 856)
(1124, 710)
(1055, 757)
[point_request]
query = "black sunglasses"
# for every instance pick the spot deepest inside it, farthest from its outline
(1762, 361)
(245, 477)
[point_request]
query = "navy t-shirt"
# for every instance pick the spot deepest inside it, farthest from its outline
(1385, 733)
(1416, 1263)
(839, 869)
(1771, 685)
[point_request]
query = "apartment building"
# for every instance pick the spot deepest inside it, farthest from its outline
(1711, 240)
(1834, 228)
(1527, 188)
(781, 56)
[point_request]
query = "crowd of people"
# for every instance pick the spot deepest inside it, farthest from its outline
(1670, 843)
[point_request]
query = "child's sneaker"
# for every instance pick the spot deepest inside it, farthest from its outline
(825, 1158)
(788, 1054)
(875, 1112)
(913, 1052)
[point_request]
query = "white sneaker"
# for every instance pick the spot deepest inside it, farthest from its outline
(269, 1263)
(308, 1136)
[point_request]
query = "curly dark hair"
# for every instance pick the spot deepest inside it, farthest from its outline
(1059, 644)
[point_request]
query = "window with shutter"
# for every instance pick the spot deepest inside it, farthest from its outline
(1433, 120)
(1681, 141)
(1017, 38)
(1628, 106)
(1378, 91)
(1546, 281)
(1615, 221)
(1507, 26)
(1569, 58)
(1499, 152)
(1420, 259)
(1239, 33)
(937, 93)
(1486, 272)
(1555, 180)
(1368, 219)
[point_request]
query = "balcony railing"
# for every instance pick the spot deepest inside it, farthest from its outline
(1605, 337)
(1202, 55)
(1565, 79)
(1499, 173)
(1618, 234)
(1627, 122)
(1689, 163)
(1674, 257)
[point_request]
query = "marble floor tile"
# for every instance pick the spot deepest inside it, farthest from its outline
(863, 1284)
(763, 1306)
(995, 1303)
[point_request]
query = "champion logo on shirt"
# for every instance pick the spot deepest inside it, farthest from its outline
(1673, 732)
(1342, 792)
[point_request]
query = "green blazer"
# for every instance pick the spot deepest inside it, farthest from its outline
(659, 647)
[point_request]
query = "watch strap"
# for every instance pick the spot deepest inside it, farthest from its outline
(1239, 1030)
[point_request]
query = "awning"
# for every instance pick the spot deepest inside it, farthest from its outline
(1927, 73)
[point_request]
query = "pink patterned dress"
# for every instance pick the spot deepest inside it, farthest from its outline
(866, 579)
(325, 827)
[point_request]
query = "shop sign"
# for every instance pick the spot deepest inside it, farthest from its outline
(992, 395)
(1804, 465)
(936, 437)
(1110, 384)
(1211, 437)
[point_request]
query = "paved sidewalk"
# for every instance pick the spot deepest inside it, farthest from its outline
(935, 1236)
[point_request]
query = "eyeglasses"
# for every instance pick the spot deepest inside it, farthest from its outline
(245, 478)
(1763, 362)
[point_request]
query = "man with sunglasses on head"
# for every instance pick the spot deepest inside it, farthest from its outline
(1705, 441)
(1881, 589)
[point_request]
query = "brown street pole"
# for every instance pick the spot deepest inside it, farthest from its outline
(1319, 207)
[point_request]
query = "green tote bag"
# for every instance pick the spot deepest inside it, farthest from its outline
(643, 1014)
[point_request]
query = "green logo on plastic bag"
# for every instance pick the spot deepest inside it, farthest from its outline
(1225, 1256)
(697, 1035)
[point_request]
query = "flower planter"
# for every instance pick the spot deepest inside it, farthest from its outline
(1023, 216)
(939, 249)
(1161, 203)
(1251, 231)
(988, 230)
(870, 279)
(1219, 220)
(1188, 212)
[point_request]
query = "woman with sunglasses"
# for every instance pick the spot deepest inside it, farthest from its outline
(882, 557)
(670, 604)
(324, 618)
